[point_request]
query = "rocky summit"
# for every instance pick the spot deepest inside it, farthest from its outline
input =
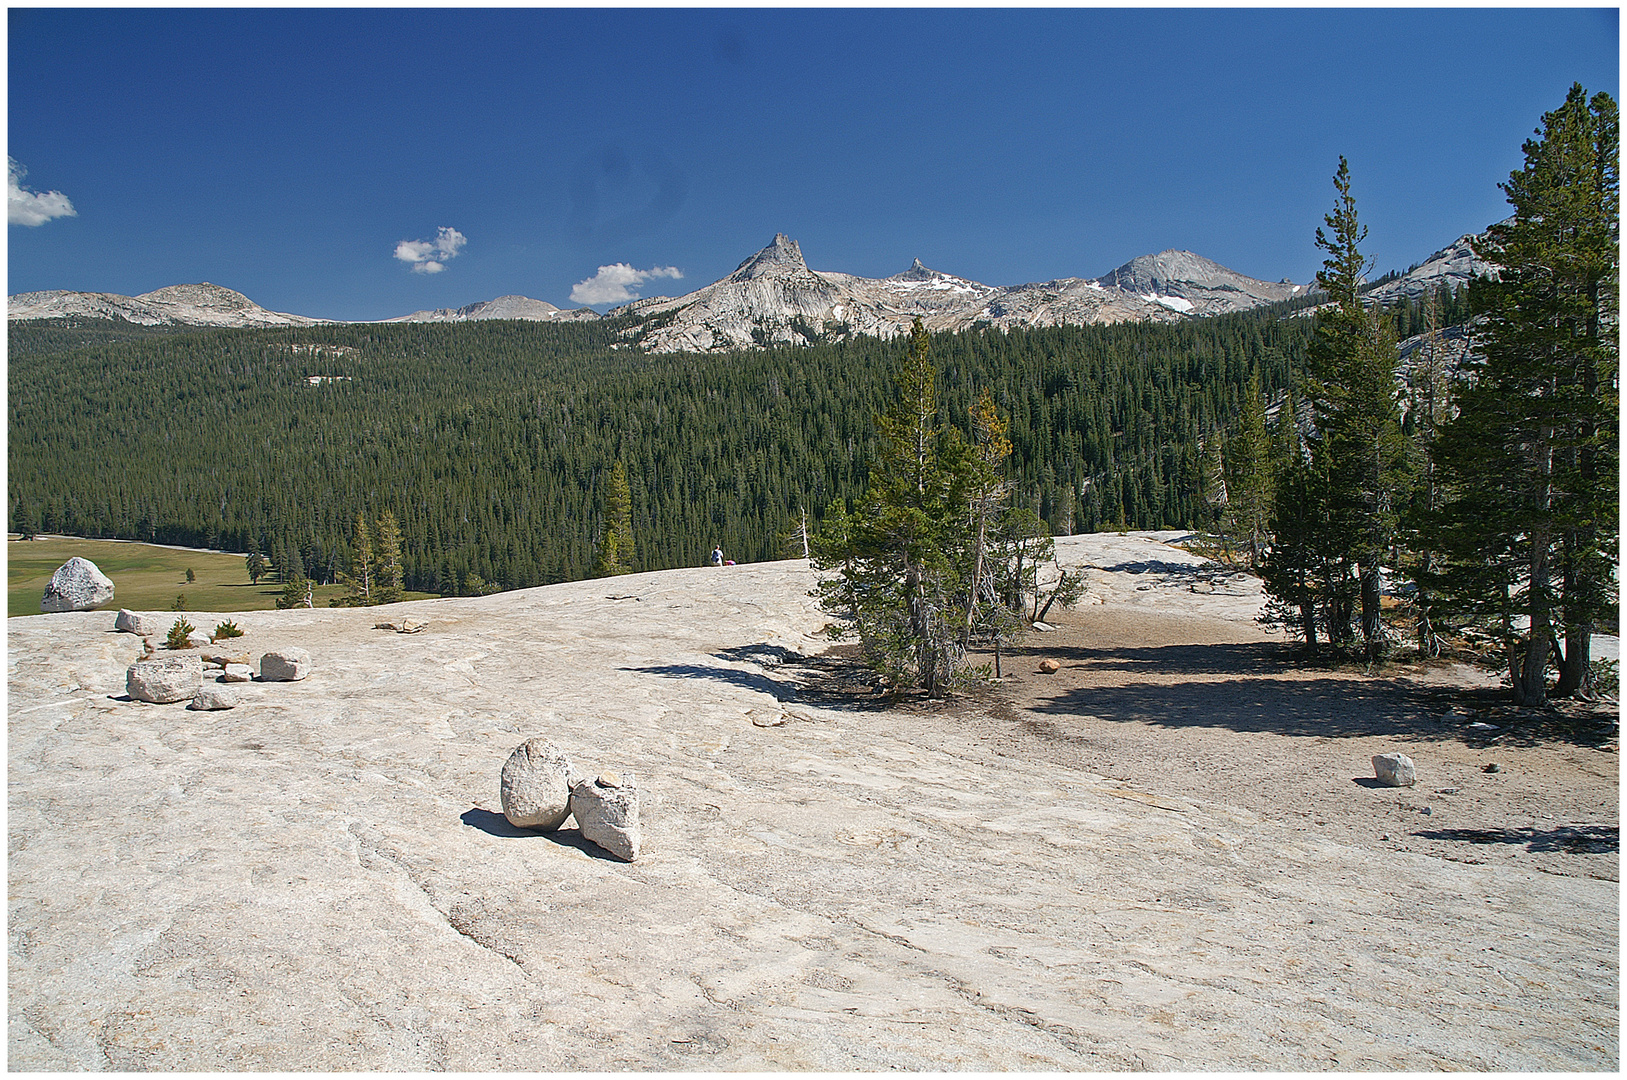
(202, 304)
(1193, 285)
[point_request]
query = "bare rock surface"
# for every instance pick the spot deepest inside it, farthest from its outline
(327, 881)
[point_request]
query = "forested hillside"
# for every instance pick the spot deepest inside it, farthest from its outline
(492, 442)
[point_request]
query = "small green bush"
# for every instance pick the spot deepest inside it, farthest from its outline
(177, 638)
(227, 629)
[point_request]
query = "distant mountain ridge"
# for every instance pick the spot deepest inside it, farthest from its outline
(202, 304)
(773, 298)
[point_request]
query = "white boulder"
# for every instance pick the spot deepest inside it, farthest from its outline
(135, 622)
(77, 585)
(536, 786)
(237, 673)
(1394, 770)
(606, 811)
(215, 697)
(286, 665)
(164, 678)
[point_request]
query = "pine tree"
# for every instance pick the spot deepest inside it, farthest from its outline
(902, 558)
(1247, 511)
(358, 582)
(616, 548)
(388, 572)
(1359, 459)
(1533, 454)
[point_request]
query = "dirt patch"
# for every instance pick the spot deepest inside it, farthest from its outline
(1214, 709)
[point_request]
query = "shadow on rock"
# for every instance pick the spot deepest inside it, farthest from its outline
(750, 680)
(1250, 658)
(1329, 708)
(1571, 839)
(497, 825)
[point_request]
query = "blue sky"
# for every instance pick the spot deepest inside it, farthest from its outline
(361, 164)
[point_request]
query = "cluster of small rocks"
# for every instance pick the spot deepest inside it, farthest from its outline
(179, 675)
(540, 790)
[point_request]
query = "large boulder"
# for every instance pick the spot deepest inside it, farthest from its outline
(1394, 770)
(146, 624)
(77, 585)
(164, 678)
(285, 665)
(606, 811)
(536, 786)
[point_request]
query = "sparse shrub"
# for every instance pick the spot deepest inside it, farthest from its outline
(227, 629)
(178, 634)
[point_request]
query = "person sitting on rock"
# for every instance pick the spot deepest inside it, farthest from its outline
(717, 555)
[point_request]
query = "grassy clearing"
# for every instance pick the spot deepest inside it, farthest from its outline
(146, 577)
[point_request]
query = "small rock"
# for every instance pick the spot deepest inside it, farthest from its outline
(1042, 627)
(608, 779)
(1479, 725)
(215, 697)
(220, 659)
(165, 678)
(536, 786)
(287, 665)
(1049, 667)
(1203, 587)
(1493, 767)
(1394, 770)
(135, 623)
(608, 816)
(77, 585)
(198, 640)
(237, 673)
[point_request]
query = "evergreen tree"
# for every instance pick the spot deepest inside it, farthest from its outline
(358, 582)
(1248, 480)
(616, 548)
(1356, 462)
(388, 573)
(901, 559)
(1532, 456)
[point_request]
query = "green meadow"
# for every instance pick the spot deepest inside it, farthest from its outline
(146, 577)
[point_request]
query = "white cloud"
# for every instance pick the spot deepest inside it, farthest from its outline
(614, 284)
(24, 207)
(430, 256)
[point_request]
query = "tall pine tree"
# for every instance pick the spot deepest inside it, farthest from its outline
(1533, 455)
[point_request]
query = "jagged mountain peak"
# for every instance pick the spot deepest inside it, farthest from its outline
(917, 272)
(780, 257)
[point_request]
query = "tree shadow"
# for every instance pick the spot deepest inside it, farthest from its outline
(1570, 839)
(1244, 658)
(1328, 708)
(498, 825)
(762, 653)
(750, 680)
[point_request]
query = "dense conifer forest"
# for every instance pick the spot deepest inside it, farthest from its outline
(493, 442)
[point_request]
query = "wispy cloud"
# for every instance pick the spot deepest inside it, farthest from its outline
(614, 284)
(25, 207)
(430, 256)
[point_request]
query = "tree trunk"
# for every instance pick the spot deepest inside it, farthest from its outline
(1372, 630)
(1576, 670)
(1534, 683)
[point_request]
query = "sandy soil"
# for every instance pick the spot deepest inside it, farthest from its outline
(1164, 856)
